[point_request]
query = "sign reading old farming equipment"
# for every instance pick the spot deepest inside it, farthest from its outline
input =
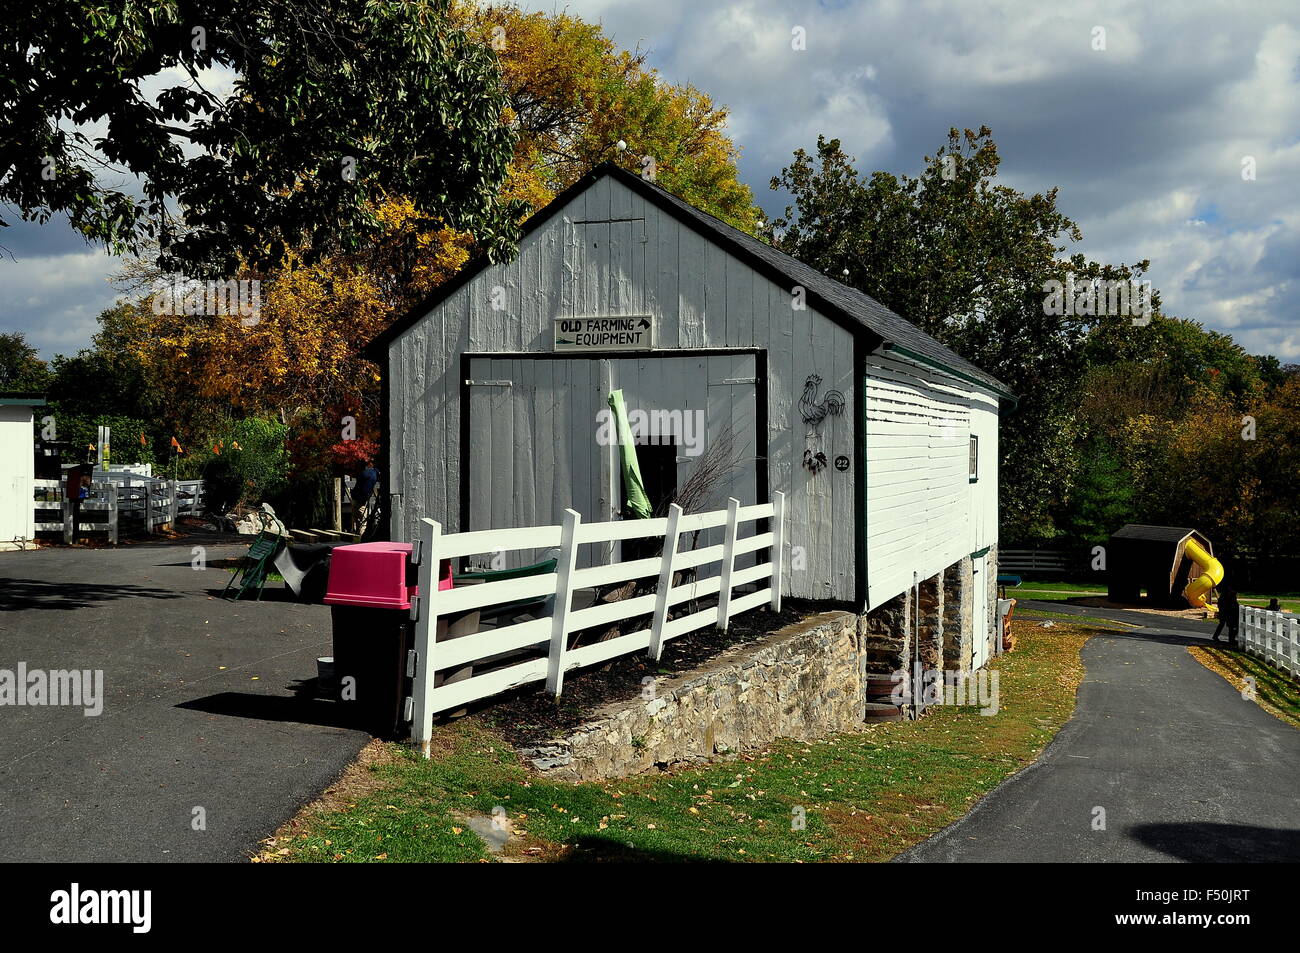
(618, 333)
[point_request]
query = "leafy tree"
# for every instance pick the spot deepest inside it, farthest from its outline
(968, 261)
(21, 368)
(249, 465)
(81, 431)
(102, 379)
(334, 105)
(571, 94)
(1102, 498)
(574, 95)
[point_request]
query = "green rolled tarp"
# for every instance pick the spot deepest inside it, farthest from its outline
(638, 504)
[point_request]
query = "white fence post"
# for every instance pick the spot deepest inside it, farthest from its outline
(671, 539)
(728, 561)
(1293, 636)
(112, 513)
(426, 634)
(173, 504)
(563, 601)
(69, 530)
(148, 506)
(778, 548)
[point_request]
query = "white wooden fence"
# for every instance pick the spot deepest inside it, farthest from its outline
(1273, 637)
(737, 591)
(113, 499)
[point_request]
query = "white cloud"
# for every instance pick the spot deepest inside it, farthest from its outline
(1144, 139)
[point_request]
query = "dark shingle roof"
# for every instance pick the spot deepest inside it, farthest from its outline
(1159, 534)
(857, 311)
(896, 332)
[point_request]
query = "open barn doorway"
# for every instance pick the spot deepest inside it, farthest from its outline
(533, 434)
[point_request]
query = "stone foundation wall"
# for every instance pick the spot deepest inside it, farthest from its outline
(886, 634)
(803, 682)
(958, 615)
(991, 564)
(930, 602)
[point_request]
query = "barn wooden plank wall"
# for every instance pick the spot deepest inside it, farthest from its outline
(613, 252)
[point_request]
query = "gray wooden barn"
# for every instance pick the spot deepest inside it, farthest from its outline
(884, 440)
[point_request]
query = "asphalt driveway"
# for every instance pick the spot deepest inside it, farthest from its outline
(1184, 768)
(207, 705)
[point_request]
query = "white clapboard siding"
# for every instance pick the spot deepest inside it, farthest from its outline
(738, 589)
(918, 427)
(532, 449)
(17, 472)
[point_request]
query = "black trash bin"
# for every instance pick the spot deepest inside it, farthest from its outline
(369, 592)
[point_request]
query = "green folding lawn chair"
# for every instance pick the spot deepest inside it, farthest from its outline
(496, 575)
(255, 565)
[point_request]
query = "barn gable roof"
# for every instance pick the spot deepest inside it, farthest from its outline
(848, 306)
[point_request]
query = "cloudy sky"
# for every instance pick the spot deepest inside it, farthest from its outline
(1146, 139)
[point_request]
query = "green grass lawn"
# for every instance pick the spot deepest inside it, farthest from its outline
(1109, 625)
(1051, 591)
(865, 795)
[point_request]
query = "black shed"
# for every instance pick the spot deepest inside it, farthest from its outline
(1151, 558)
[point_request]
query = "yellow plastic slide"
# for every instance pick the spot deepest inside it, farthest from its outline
(1211, 575)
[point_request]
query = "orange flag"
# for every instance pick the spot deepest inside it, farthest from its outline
(143, 442)
(216, 448)
(177, 445)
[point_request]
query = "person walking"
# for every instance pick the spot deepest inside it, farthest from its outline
(75, 488)
(361, 495)
(1229, 617)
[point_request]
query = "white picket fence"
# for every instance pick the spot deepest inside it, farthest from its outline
(738, 590)
(1273, 637)
(114, 499)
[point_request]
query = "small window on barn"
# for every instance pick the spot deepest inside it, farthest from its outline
(974, 458)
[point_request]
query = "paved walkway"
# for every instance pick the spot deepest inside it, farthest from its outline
(202, 709)
(1185, 768)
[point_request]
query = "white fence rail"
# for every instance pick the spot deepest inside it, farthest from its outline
(678, 585)
(1273, 637)
(115, 501)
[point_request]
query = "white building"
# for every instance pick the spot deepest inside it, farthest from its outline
(17, 469)
(884, 440)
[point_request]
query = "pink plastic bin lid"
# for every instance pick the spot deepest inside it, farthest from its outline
(374, 575)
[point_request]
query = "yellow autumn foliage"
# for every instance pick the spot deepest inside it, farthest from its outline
(572, 94)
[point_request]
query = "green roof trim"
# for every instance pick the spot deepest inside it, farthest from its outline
(951, 371)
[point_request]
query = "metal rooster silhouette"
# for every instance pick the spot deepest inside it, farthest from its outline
(814, 412)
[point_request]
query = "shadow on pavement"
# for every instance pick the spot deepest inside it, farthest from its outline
(1167, 638)
(17, 594)
(1202, 842)
(302, 709)
(274, 592)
